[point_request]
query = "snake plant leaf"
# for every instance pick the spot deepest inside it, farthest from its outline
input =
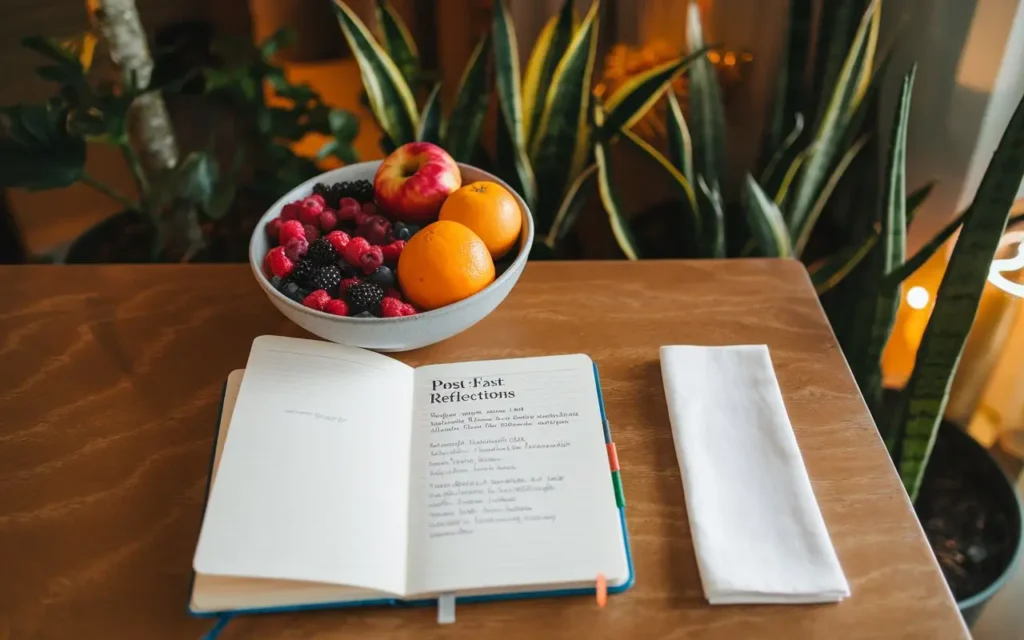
(677, 176)
(512, 159)
(390, 98)
(707, 112)
(923, 401)
(827, 146)
(562, 133)
(462, 131)
(398, 42)
(636, 96)
(790, 99)
(573, 202)
(709, 199)
(832, 271)
(616, 217)
(786, 150)
(892, 250)
(431, 122)
(804, 231)
(680, 145)
(789, 178)
(766, 222)
(916, 199)
(547, 52)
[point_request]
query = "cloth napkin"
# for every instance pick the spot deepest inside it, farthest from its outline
(757, 531)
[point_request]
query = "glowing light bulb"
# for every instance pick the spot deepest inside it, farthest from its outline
(918, 297)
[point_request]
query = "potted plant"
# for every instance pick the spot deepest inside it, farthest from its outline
(196, 206)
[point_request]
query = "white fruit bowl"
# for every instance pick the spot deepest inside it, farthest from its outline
(389, 334)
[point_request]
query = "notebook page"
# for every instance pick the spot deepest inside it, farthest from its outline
(510, 478)
(312, 483)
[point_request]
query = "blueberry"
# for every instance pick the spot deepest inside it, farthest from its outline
(384, 277)
(276, 282)
(401, 231)
(347, 270)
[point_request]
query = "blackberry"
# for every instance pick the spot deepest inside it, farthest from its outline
(361, 190)
(327, 278)
(322, 253)
(347, 270)
(364, 314)
(383, 277)
(364, 296)
(303, 273)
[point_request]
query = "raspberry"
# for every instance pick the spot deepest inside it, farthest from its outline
(376, 229)
(393, 293)
(317, 300)
(355, 248)
(338, 240)
(309, 211)
(345, 284)
(408, 310)
(296, 248)
(369, 209)
(290, 211)
(328, 220)
(392, 251)
(336, 307)
(277, 263)
(348, 209)
(316, 197)
(290, 229)
(274, 230)
(391, 308)
(371, 260)
(311, 233)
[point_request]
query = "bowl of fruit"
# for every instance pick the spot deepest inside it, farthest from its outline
(393, 255)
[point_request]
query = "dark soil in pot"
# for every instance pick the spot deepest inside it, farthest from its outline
(972, 517)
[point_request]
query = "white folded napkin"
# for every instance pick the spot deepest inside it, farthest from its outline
(757, 531)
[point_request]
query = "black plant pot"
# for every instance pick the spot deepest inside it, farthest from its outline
(973, 517)
(125, 237)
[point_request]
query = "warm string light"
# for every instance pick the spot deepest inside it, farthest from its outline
(1009, 265)
(918, 297)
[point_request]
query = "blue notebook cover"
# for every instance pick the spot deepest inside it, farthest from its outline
(550, 593)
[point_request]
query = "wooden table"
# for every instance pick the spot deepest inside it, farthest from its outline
(111, 378)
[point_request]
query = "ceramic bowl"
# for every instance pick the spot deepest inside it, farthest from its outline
(389, 334)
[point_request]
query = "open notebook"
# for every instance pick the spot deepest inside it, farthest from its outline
(342, 477)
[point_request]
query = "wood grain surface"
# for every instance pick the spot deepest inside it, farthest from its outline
(111, 378)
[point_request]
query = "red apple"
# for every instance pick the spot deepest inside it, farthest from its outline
(413, 182)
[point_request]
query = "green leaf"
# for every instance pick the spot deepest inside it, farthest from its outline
(36, 149)
(769, 229)
(512, 156)
(52, 49)
(680, 181)
(783, 154)
(462, 131)
(832, 271)
(893, 243)
(616, 217)
(398, 42)
(390, 98)
(789, 178)
(709, 199)
(827, 144)
(916, 199)
(276, 41)
(430, 120)
(636, 96)
(556, 155)
(571, 206)
(923, 401)
(343, 125)
(551, 45)
(804, 231)
(790, 98)
(706, 107)
(680, 146)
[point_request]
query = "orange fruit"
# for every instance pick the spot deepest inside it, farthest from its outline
(490, 211)
(444, 263)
